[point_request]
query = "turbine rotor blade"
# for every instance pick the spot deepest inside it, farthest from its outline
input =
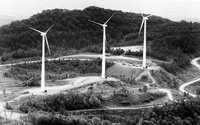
(149, 16)
(47, 45)
(49, 28)
(141, 26)
(95, 22)
(36, 30)
(109, 19)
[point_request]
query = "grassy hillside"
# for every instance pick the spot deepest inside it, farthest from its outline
(165, 79)
(72, 31)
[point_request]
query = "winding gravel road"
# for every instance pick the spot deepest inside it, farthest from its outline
(16, 116)
(182, 88)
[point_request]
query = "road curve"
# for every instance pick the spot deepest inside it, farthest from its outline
(183, 86)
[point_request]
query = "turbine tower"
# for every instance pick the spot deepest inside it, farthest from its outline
(103, 73)
(44, 39)
(144, 23)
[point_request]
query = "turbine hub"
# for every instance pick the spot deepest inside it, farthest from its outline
(104, 25)
(146, 18)
(43, 34)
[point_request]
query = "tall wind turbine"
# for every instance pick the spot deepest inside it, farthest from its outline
(44, 39)
(144, 23)
(104, 45)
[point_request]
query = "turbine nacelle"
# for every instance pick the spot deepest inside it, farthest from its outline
(144, 19)
(43, 34)
(104, 24)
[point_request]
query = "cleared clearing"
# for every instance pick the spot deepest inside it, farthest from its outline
(121, 71)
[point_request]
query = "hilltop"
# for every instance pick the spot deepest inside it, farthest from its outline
(4, 19)
(73, 29)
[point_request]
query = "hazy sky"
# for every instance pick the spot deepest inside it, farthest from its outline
(173, 9)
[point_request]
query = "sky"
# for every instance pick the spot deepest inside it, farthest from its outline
(173, 9)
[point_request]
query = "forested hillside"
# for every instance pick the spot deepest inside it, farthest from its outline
(72, 28)
(73, 31)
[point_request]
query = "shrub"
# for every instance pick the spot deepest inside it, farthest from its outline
(96, 121)
(61, 102)
(117, 52)
(130, 53)
(7, 74)
(32, 82)
(144, 78)
(106, 122)
(43, 118)
(8, 106)
(145, 88)
(122, 92)
(5, 57)
(114, 84)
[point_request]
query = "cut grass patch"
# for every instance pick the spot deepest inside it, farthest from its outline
(122, 72)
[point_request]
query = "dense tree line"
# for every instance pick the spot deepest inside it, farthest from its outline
(180, 113)
(61, 102)
(59, 69)
(60, 66)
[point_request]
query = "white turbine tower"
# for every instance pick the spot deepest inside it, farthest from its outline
(44, 39)
(104, 46)
(144, 23)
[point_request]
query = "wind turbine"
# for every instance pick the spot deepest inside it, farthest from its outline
(144, 23)
(44, 39)
(104, 25)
